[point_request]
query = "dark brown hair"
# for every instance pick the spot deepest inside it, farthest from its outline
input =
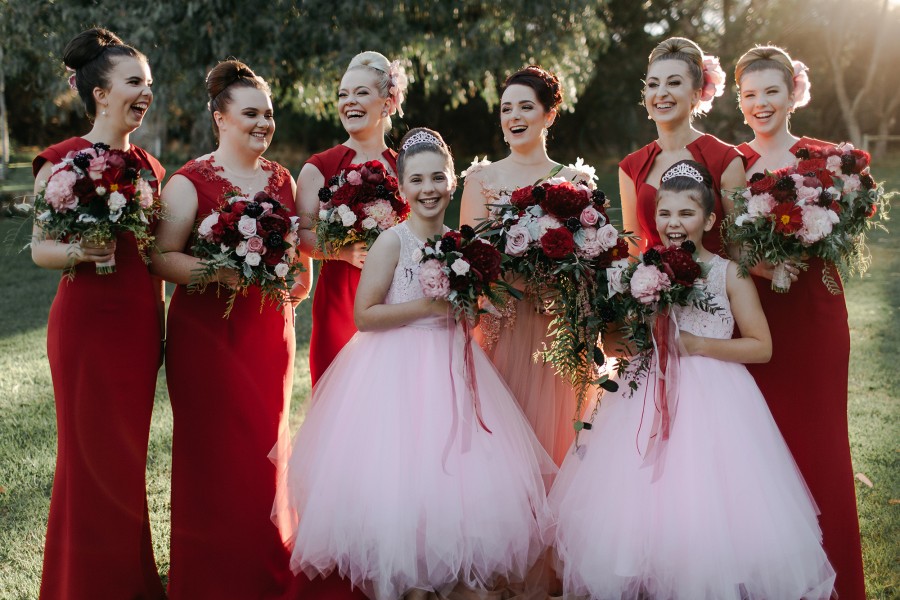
(92, 55)
(545, 84)
(223, 78)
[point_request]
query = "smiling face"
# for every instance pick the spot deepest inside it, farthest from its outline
(669, 95)
(765, 101)
(680, 216)
(523, 118)
(248, 119)
(428, 184)
(360, 106)
(128, 96)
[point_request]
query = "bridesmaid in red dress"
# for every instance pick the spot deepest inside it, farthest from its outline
(810, 406)
(681, 83)
(103, 343)
(229, 379)
(371, 91)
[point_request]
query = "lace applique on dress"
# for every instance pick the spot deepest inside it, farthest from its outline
(719, 324)
(405, 285)
(210, 171)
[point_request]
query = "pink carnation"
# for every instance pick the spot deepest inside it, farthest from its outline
(760, 205)
(434, 282)
(817, 223)
(354, 178)
(382, 212)
(647, 283)
(59, 194)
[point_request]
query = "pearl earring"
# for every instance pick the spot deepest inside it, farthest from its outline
(103, 112)
(649, 118)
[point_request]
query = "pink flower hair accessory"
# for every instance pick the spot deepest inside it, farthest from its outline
(713, 83)
(398, 83)
(72, 83)
(801, 84)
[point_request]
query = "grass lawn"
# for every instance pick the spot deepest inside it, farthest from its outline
(28, 432)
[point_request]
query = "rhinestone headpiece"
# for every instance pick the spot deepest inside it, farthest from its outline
(683, 170)
(421, 137)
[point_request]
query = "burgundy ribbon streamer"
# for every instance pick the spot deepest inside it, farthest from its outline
(665, 393)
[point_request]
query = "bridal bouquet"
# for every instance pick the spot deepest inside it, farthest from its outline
(558, 237)
(460, 268)
(357, 205)
(255, 237)
(821, 207)
(95, 194)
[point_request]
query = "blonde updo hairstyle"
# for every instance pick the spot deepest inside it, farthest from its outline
(223, 79)
(762, 58)
(688, 52)
(377, 64)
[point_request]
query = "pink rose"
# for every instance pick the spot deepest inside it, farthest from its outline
(267, 207)
(247, 226)
(517, 240)
(590, 217)
(608, 236)
(354, 178)
(98, 164)
(590, 247)
(255, 244)
(146, 193)
(807, 195)
(647, 283)
(434, 282)
(614, 281)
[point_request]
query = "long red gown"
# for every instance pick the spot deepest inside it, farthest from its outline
(707, 150)
(807, 395)
(332, 310)
(103, 343)
(230, 383)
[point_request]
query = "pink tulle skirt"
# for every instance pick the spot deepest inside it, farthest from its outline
(724, 515)
(392, 483)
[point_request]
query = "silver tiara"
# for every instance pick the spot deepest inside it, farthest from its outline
(683, 170)
(421, 137)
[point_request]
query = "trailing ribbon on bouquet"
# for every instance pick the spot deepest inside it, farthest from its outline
(468, 402)
(665, 392)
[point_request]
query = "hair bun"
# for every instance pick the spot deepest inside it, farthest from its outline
(545, 84)
(88, 45)
(225, 74)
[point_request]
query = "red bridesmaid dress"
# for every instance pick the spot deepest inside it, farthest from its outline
(332, 310)
(103, 343)
(230, 383)
(807, 395)
(707, 150)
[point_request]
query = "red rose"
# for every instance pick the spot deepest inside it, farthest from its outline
(862, 159)
(272, 257)
(239, 207)
(522, 198)
(762, 185)
(344, 195)
(115, 159)
(373, 174)
(788, 218)
(811, 165)
(85, 190)
(482, 258)
(558, 242)
(565, 200)
(825, 177)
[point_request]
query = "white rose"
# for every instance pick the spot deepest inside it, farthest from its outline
(101, 191)
(614, 282)
(742, 218)
(116, 201)
(281, 270)
(417, 255)
(348, 218)
(86, 218)
(247, 226)
(115, 216)
(369, 223)
(241, 249)
(460, 266)
(323, 214)
(252, 258)
(205, 228)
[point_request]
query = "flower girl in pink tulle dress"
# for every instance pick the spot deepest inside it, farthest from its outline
(392, 481)
(719, 509)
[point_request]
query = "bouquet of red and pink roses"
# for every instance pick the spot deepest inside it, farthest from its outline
(460, 268)
(558, 237)
(94, 194)
(821, 207)
(357, 205)
(257, 238)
